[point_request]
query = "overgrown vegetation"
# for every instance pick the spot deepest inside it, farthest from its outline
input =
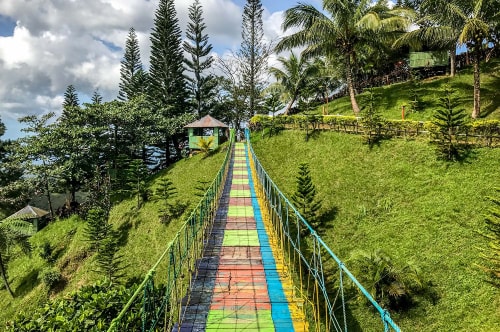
(140, 239)
(398, 198)
(89, 309)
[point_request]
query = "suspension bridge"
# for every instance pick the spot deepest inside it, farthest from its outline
(246, 260)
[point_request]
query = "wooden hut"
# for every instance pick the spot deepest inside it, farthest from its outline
(36, 216)
(205, 128)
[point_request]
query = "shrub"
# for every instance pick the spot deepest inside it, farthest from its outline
(90, 309)
(51, 277)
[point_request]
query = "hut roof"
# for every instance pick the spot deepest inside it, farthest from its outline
(29, 212)
(207, 122)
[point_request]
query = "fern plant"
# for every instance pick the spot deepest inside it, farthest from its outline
(13, 232)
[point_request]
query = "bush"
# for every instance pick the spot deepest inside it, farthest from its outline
(90, 309)
(51, 277)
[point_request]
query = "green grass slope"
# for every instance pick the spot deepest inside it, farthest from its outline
(142, 237)
(392, 97)
(397, 197)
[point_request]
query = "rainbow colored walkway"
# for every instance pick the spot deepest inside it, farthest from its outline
(238, 286)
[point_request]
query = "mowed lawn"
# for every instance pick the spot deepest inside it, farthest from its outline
(399, 198)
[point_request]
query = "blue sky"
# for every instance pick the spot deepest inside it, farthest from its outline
(45, 45)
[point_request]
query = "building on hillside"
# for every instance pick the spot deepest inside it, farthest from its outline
(205, 128)
(34, 215)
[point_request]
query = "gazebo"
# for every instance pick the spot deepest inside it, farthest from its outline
(32, 214)
(204, 128)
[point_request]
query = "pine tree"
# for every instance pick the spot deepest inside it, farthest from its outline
(131, 72)
(97, 228)
(71, 104)
(109, 263)
(415, 91)
(304, 198)
(167, 88)
(165, 192)
(254, 53)
(202, 87)
(136, 181)
(448, 119)
(372, 121)
(96, 98)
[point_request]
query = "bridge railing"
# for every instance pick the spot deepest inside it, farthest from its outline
(310, 260)
(158, 299)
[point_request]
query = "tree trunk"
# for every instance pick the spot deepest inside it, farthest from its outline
(49, 200)
(350, 87)
(4, 276)
(289, 106)
(453, 55)
(477, 84)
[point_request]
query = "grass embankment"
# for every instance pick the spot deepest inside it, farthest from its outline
(397, 197)
(143, 238)
(391, 98)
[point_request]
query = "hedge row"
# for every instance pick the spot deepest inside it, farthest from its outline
(480, 132)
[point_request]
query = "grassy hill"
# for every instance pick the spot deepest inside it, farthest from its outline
(142, 237)
(397, 197)
(392, 97)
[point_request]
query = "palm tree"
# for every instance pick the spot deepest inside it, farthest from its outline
(339, 30)
(13, 232)
(294, 77)
(390, 286)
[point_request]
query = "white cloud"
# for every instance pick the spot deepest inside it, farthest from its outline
(59, 42)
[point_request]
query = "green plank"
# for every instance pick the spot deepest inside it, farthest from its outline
(241, 238)
(240, 193)
(240, 211)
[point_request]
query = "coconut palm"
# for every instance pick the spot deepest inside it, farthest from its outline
(339, 30)
(294, 77)
(13, 232)
(452, 23)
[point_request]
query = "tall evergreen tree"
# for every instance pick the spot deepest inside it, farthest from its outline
(13, 189)
(96, 97)
(202, 87)
(254, 53)
(167, 89)
(71, 104)
(131, 72)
